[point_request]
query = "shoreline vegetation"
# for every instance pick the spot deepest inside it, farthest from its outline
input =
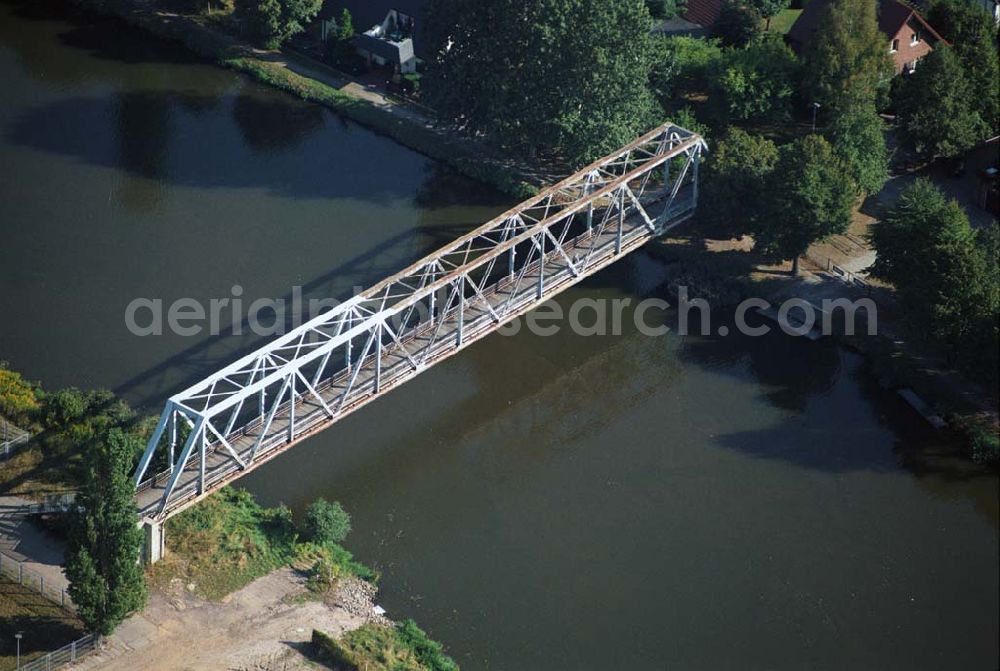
(229, 540)
(467, 157)
(224, 543)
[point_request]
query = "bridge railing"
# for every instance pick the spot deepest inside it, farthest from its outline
(427, 311)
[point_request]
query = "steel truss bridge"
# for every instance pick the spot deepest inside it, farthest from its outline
(257, 407)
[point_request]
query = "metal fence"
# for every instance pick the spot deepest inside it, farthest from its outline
(17, 571)
(11, 437)
(841, 273)
(64, 655)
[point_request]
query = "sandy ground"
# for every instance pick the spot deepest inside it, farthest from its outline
(255, 629)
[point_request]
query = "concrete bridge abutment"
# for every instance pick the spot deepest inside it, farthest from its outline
(153, 543)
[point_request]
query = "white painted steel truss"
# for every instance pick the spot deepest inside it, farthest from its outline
(307, 379)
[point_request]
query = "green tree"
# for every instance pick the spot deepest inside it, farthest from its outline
(858, 137)
(683, 65)
(738, 25)
(945, 278)
(17, 396)
(936, 105)
(274, 21)
(768, 9)
(755, 83)
(734, 181)
(102, 555)
(339, 49)
(848, 61)
(326, 522)
(810, 196)
(973, 35)
(569, 76)
(666, 9)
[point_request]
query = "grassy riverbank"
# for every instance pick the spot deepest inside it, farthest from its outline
(229, 540)
(372, 647)
(203, 38)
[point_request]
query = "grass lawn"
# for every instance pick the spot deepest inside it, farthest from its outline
(46, 626)
(32, 473)
(782, 23)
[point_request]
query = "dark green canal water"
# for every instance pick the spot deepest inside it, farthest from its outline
(537, 503)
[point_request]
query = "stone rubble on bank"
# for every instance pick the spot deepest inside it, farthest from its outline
(357, 597)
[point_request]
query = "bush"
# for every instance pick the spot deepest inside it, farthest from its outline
(755, 83)
(980, 438)
(18, 400)
(326, 522)
(683, 65)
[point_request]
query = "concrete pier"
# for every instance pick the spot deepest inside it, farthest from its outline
(154, 536)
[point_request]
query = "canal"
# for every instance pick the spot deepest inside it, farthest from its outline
(537, 503)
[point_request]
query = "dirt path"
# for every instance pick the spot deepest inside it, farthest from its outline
(262, 627)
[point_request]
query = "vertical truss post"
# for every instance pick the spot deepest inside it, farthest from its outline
(511, 259)
(173, 437)
(460, 290)
(378, 357)
(694, 176)
(621, 221)
(202, 448)
(291, 408)
(541, 266)
(433, 301)
(666, 177)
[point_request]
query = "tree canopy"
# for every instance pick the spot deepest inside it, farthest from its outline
(734, 182)
(937, 107)
(945, 276)
(274, 21)
(17, 396)
(567, 76)
(326, 522)
(102, 555)
(973, 35)
(848, 61)
(810, 196)
(755, 83)
(738, 25)
(858, 137)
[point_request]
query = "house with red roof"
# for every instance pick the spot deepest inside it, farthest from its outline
(908, 35)
(703, 12)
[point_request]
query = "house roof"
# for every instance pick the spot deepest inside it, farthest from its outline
(892, 16)
(703, 12)
(396, 52)
(366, 14)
